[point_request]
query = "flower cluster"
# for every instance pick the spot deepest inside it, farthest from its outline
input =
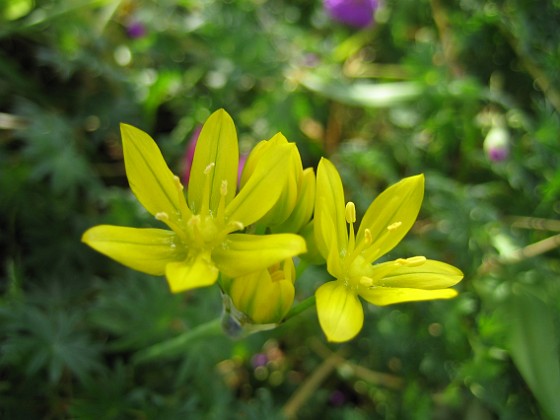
(245, 237)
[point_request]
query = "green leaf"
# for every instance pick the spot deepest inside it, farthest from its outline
(379, 95)
(533, 342)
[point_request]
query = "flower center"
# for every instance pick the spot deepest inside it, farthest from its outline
(358, 271)
(206, 229)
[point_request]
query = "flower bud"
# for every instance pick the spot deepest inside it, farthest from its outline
(267, 295)
(496, 143)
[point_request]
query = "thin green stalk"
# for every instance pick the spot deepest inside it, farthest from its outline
(300, 307)
(179, 344)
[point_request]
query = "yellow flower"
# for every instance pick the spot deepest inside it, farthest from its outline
(350, 256)
(202, 241)
(294, 207)
(265, 296)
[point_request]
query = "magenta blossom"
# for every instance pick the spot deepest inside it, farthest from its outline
(135, 29)
(356, 13)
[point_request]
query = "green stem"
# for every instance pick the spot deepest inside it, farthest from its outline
(178, 345)
(300, 307)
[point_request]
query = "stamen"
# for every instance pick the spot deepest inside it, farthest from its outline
(350, 212)
(277, 275)
(164, 217)
(350, 215)
(205, 204)
(394, 226)
(366, 242)
(183, 208)
(233, 227)
(368, 239)
(415, 261)
(194, 223)
(366, 281)
(412, 261)
(220, 214)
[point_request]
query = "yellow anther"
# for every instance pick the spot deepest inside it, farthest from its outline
(209, 168)
(368, 239)
(415, 261)
(163, 216)
(366, 281)
(239, 225)
(277, 275)
(177, 182)
(394, 226)
(412, 261)
(350, 212)
(223, 188)
(234, 227)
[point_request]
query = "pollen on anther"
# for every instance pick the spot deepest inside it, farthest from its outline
(178, 182)
(368, 238)
(350, 212)
(209, 168)
(223, 188)
(415, 261)
(238, 225)
(394, 226)
(366, 281)
(161, 216)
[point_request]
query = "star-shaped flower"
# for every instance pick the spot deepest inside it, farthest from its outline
(202, 241)
(350, 256)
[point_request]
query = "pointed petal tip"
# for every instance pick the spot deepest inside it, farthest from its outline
(129, 129)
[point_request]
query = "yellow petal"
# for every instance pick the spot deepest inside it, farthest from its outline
(340, 311)
(146, 250)
(430, 275)
(216, 145)
(263, 187)
(241, 254)
(303, 209)
(330, 223)
(289, 194)
(382, 296)
(150, 179)
(391, 215)
(192, 273)
(252, 161)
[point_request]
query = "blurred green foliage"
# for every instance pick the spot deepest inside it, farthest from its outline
(417, 92)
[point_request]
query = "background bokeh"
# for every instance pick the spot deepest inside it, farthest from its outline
(467, 92)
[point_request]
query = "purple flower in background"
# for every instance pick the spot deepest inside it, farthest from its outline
(498, 155)
(356, 13)
(337, 398)
(259, 359)
(135, 29)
